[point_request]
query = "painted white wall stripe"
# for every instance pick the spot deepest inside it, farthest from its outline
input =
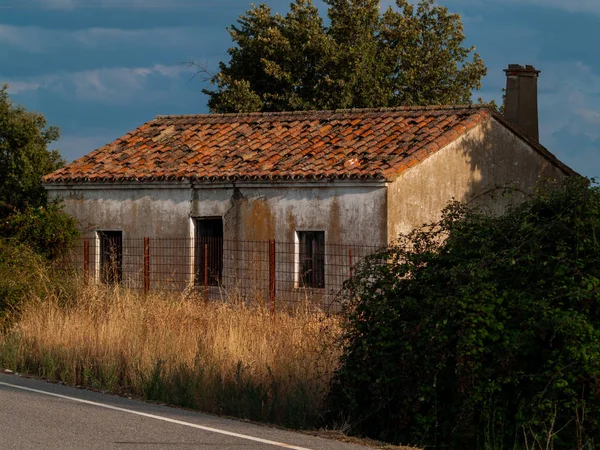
(164, 419)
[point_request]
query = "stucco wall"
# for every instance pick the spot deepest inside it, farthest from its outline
(136, 211)
(487, 156)
(349, 212)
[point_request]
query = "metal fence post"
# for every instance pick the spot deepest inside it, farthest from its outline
(86, 262)
(272, 277)
(206, 272)
(350, 262)
(146, 265)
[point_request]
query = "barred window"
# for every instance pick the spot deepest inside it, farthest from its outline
(111, 256)
(311, 265)
(208, 264)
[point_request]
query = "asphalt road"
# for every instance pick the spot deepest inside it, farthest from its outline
(38, 415)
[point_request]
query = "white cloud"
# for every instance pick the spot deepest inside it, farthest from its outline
(569, 104)
(133, 4)
(105, 85)
(39, 40)
(17, 87)
(118, 84)
(584, 6)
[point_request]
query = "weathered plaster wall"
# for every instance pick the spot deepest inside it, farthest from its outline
(349, 212)
(136, 211)
(487, 156)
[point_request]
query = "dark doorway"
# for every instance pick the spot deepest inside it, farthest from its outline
(111, 256)
(208, 251)
(312, 258)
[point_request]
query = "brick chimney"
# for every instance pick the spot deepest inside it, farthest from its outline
(521, 101)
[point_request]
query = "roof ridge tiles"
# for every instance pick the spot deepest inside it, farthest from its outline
(328, 112)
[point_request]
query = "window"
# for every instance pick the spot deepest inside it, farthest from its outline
(208, 251)
(111, 256)
(311, 264)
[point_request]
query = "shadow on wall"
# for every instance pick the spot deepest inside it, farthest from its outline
(503, 168)
(498, 158)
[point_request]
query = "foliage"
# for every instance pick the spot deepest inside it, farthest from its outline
(24, 157)
(408, 55)
(48, 230)
(25, 214)
(22, 273)
(481, 331)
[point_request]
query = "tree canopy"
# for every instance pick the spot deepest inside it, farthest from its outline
(24, 154)
(26, 216)
(407, 55)
(481, 331)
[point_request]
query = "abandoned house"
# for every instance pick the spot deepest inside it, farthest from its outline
(309, 180)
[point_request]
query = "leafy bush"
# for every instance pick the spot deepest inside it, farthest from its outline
(26, 275)
(22, 272)
(480, 332)
(46, 229)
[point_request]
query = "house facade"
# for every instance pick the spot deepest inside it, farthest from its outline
(311, 181)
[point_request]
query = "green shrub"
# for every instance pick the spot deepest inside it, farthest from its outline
(22, 274)
(480, 332)
(48, 230)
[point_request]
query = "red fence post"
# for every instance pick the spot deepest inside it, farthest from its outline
(86, 261)
(272, 279)
(206, 272)
(351, 269)
(146, 265)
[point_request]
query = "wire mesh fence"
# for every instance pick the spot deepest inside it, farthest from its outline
(281, 273)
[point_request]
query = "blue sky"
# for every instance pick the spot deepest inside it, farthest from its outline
(99, 68)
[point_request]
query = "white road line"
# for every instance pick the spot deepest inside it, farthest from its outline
(164, 419)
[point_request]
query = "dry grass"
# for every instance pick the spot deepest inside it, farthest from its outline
(227, 358)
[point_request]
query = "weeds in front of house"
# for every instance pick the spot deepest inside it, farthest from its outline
(228, 357)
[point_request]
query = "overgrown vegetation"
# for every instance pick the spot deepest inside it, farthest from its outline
(24, 154)
(480, 332)
(30, 227)
(25, 275)
(225, 358)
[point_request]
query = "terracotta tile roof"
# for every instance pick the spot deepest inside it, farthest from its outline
(373, 143)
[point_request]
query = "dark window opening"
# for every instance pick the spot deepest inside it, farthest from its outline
(208, 252)
(111, 256)
(312, 259)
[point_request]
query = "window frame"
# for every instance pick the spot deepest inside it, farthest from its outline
(114, 276)
(215, 256)
(310, 253)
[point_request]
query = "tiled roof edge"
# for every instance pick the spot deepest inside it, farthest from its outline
(374, 177)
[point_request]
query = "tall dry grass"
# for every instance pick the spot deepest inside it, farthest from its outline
(226, 357)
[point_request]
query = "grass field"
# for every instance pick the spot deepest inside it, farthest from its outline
(228, 357)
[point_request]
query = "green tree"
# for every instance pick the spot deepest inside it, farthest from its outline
(24, 156)
(25, 214)
(409, 55)
(481, 331)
